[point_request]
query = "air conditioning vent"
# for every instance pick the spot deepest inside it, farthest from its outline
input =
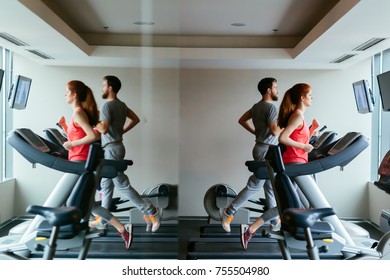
(343, 58)
(12, 39)
(40, 54)
(369, 44)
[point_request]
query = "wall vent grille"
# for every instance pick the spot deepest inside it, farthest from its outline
(343, 58)
(40, 54)
(370, 43)
(12, 39)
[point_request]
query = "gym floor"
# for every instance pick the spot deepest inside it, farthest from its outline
(187, 238)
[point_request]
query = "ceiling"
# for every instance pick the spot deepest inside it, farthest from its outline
(250, 34)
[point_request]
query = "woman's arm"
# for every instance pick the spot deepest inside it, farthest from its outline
(294, 122)
(62, 122)
(314, 125)
(81, 119)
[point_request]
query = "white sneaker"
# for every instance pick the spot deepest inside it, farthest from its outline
(98, 224)
(155, 219)
(274, 227)
(225, 219)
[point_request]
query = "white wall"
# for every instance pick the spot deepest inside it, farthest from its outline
(377, 201)
(214, 146)
(152, 145)
(7, 190)
(189, 133)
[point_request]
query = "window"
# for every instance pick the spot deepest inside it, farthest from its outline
(381, 119)
(6, 115)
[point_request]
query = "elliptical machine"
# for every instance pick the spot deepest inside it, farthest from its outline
(219, 196)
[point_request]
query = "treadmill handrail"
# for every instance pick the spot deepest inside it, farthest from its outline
(340, 159)
(53, 161)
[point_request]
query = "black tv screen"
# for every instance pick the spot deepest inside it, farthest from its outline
(19, 92)
(363, 97)
(384, 89)
(1, 77)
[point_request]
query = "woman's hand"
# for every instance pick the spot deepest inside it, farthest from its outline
(68, 145)
(315, 124)
(308, 148)
(313, 128)
(62, 121)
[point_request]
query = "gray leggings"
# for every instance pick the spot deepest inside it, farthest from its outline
(117, 151)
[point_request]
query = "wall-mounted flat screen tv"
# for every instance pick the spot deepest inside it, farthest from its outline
(19, 93)
(363, 97)
(384, 89)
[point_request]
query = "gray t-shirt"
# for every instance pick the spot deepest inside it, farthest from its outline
(264, 113)
(115, 113)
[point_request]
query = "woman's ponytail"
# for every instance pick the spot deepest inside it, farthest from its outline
(285, 109)
(90, 107)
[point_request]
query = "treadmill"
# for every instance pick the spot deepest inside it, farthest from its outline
(38, 150)
(336, 154)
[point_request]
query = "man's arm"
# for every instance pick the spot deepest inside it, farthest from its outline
(134, 120)
(245, 121)
(102, 127)
(274, 129)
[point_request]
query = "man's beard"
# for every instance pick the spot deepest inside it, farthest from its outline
(104, 95)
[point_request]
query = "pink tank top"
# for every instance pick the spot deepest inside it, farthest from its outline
(294, 154)
(75, 133)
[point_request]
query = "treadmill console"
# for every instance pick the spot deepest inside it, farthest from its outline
(33, 139)
(57, 135)
(322, 139)
(344, 142)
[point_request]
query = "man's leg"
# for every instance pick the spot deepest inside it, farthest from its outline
(270, 201)
(252, 187)
(122, 184)
(107, 192)
(117, 151)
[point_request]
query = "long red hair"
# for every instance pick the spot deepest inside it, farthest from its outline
(290, 101)
(86, 99)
